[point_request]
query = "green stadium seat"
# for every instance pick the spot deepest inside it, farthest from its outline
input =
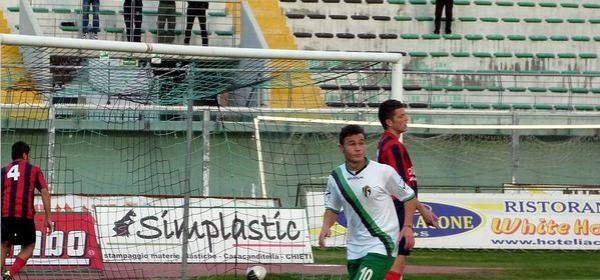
(409, 36)
(532, 20)
(597, 38)
(424, 18)
(438, 54)
(40, 10)
(69, 28)
(473, 37)
(558, 89)
(567, 55)
(550, 72)
(594, 21)
(433, 88)
(461, 54)
(417, 54)
(482, 54)
(584, 107)
(559, 38)
(397, 2)
(569, 5)
(526, 4)
(580, 90)
(501, 106)
(494, 88)
(418, 2)
(480, 106)
(462, 2)
(13, 9)
(61, 10)
(588, 55)
(542, 107)
(571, 72)
(522, 106)
(511, 20)
(516, 37)
(547, 4)
(452, 36)
(595, 90)
(505, 3)
(467, 19)
(591, 73)
(591, 5)
(538, 38)
(431, 36)
(107, 12)
(545, 55)
(581, 38)
(459, 106)
(524, 55)
(554, 20)
(114, 29)
(217, 14)
(453, 88)
(402, 18)
(495, 37)
(503, 54)
(575, 20)
(465, 71)
(439, 106)
(537, 89)
(224, 33)
(483, 2)
(475, 88)
(562, 107)
(517, 89)
(489, 19)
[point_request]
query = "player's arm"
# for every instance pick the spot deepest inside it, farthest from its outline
(47, 215)
(333, 205)
(406, 231)
(430, 218)
(328, 220)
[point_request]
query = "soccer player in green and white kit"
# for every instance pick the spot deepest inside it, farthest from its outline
(364, 189)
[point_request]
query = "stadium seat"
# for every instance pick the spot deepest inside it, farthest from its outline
(505, 3)
(40, 10)
(548, 4)
(451, 36)
(294, 16)
(480, 106)
(453, 88)
(61, 10)
(366, 36)
(524, 55)
(302, 35)
(340, 17)
(345, 35)
(397, 2)
(359, 17)
(538, 38)
(217, 14)
(545, 55)
(542, 107)
(438, 54)
(13, 9)
(424, 18)
(462, 2)
(483, 2)
(430, 36)
(402, 18)
(503, 54)
(316, 16)
(418, 2)
(569, 5)
(575, 20)
(374, 1)
(532, 20)
(563, 107)
(473, 37)
(594, 21)
(591, 5)
(517, 89)
(417, 54)
(588, 55)
(382, 18)
(461, 54)
(511, 20)
(495, 37)
(409, 36)
(522, 106)
(388, 36)
(439, 106)
(482, 54)
(459, 106)
(474, 88)
(516, 37)
(501, 106)
(537, 89)
(494, 88)
(467, 19)
(584, 107)
(554, 20)
(558, 89)
(114, 30)
(595, 90)
(489, 19)
(324, 35)
(580, 90)
(69, 28)
(581, 38)
(567, 55)
(559, 38)
(526, 4)
(107, 12)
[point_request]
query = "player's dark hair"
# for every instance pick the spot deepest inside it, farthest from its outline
(351, 129)
(387, 108)
(18, 149)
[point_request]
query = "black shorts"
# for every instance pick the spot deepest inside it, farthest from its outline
(400, 212)
(18, 231)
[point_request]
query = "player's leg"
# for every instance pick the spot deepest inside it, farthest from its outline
(397, 269)
(25, 236)
(373, 267)
(353, 266)
(7, 232)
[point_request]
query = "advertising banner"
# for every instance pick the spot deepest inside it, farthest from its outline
(216, 235)
(496, 221)
(72, 244)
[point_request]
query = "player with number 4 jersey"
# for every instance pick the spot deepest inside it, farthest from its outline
(19, 180)
(364, 190)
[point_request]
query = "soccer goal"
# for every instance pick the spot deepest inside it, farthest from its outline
(139, 141)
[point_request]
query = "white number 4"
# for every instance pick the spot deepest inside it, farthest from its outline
(14, 173)
(365, 274)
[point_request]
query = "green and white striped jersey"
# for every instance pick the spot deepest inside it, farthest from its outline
(366, 198)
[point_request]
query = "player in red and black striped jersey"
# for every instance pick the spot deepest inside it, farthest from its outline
(390, 151)
(19, 179)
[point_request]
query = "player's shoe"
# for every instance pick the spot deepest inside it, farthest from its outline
(6, 275)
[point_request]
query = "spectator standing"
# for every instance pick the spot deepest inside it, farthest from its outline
(166, 17)
(132, 13)
(439, 6)
(91, 33)
(196, 9)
